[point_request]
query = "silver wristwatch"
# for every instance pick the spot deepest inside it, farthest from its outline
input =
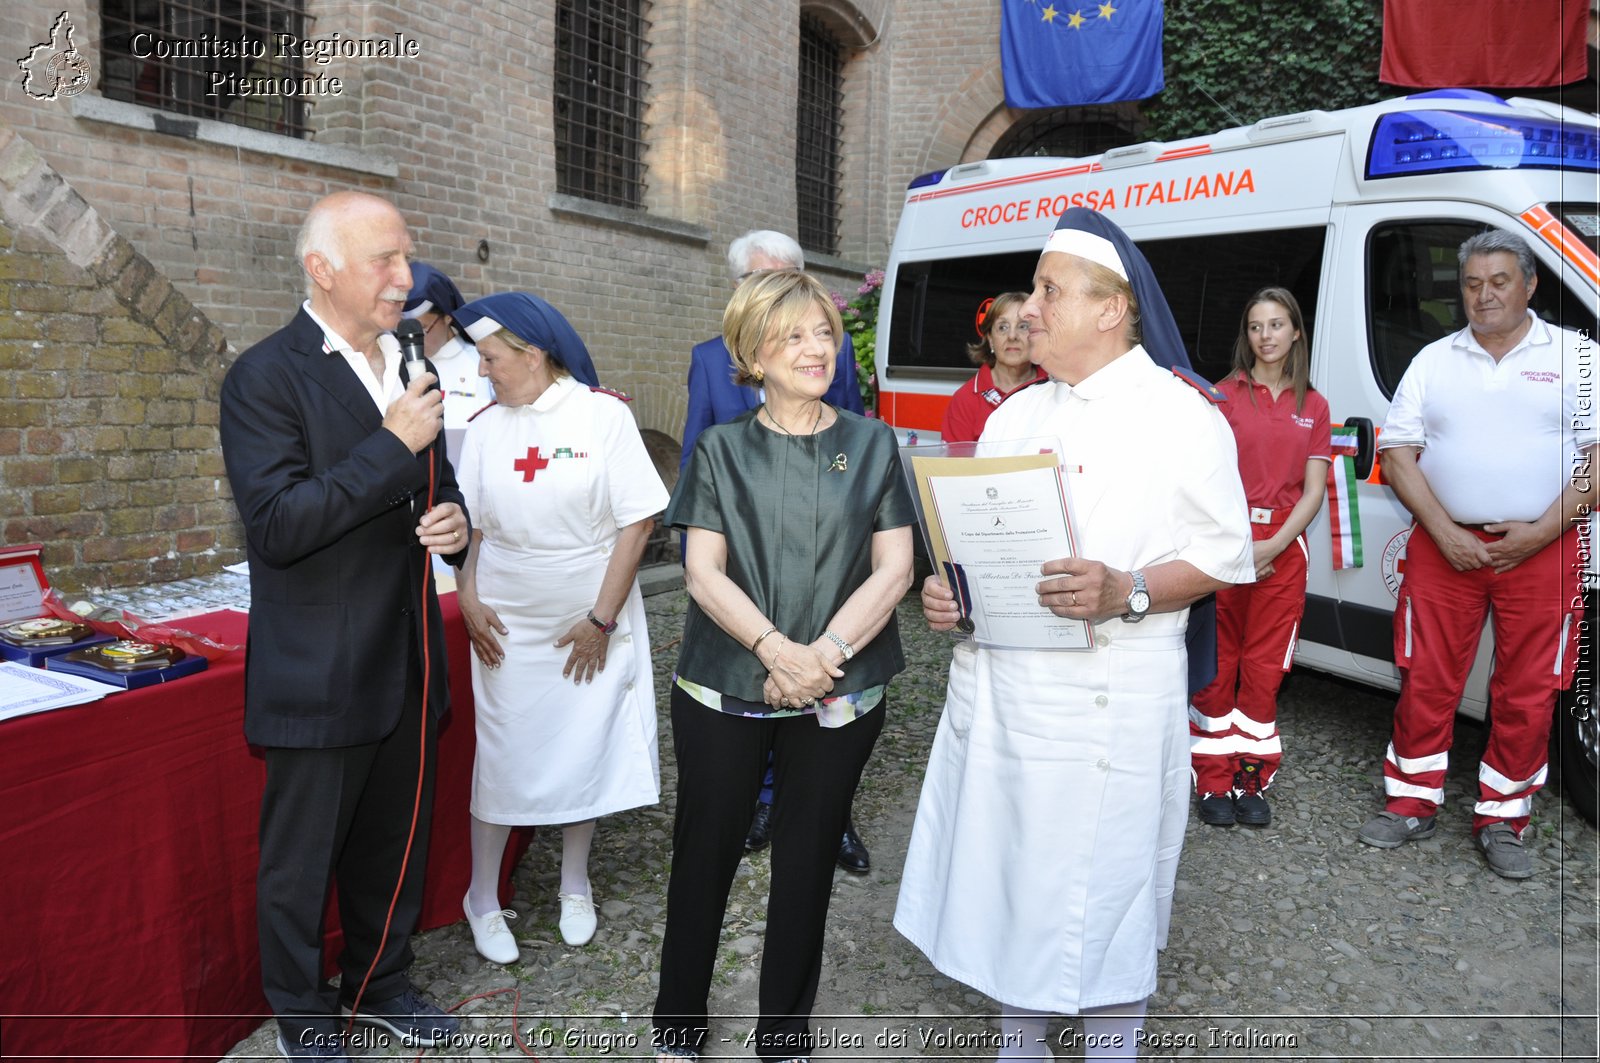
(1138, 600)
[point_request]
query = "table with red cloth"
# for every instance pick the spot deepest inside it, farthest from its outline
(128, 862)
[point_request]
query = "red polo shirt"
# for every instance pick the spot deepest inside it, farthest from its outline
(1275, 440)
(972, 404)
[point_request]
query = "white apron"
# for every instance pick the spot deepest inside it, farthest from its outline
(1047, 893)
(548, 485)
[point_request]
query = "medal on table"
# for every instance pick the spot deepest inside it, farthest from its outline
(44, 631)
(128, 655)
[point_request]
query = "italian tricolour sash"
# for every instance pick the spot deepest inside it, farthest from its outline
(1344, 515)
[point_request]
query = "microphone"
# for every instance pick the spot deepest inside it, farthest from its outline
(410, 336)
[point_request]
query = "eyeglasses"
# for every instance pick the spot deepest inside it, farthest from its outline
(436, 319)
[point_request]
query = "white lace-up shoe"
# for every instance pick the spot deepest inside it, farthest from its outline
(491, 936)
(577, 919)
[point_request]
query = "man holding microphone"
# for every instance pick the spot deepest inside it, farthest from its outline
(337, 467)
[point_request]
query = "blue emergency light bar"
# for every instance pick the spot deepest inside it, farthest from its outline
(1408, 143)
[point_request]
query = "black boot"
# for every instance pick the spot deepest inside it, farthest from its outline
(1217, 810)
(1249, 803)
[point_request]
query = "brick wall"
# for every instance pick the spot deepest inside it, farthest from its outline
(108, 431)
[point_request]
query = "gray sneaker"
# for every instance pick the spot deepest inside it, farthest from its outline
(1388, 830)
(1502, 848)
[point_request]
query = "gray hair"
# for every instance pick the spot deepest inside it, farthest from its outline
(763, 242)
(320, 234)
(1495, 241)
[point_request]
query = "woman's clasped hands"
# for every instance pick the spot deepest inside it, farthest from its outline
(797, 676)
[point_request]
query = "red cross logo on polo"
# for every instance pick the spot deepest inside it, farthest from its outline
(530, 465)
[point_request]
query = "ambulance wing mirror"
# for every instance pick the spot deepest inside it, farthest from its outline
(1366, 444)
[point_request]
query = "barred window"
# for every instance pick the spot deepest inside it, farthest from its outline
(219, 59)
(599, 97)
(816, 151)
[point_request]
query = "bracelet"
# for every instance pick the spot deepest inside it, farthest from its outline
(605, 629)
(775, 653)
(845, 648)
(757, 642)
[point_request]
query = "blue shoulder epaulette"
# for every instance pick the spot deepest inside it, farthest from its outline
(1212, 393)
(607, 391)
(474, 417)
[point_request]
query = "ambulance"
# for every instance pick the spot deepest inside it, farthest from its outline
(1359, 213)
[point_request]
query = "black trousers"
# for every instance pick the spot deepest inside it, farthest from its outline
(721, 759)
(344, 814)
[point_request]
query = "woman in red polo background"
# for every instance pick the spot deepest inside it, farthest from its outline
(1003, 367)
(1281, 427)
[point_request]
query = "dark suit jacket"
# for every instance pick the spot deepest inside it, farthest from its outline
(715, 399)
(330, 502)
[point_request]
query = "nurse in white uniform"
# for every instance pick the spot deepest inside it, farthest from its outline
(563, 496)
(1043, 858)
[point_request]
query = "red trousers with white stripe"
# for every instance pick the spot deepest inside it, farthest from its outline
(1233, 722)
(1535, 609)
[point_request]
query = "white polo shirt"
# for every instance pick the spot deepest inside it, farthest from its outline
(1499, 439)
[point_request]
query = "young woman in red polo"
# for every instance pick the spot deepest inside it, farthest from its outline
(1281, 427)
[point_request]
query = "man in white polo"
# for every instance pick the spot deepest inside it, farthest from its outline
(1488, 446)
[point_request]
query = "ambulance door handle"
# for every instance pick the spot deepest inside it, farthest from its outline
(1366, 444)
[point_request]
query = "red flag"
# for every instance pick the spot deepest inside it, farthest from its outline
(1513, 44)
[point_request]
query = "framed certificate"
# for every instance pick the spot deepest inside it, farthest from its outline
(991, 515)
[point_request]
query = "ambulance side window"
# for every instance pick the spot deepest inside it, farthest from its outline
(1207, 279)
(936, 307)
(1414, 293)
(1413, 296)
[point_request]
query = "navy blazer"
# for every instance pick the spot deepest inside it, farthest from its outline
(715, 399)
(330, 502)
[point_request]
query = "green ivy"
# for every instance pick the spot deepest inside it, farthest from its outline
(1235, 62)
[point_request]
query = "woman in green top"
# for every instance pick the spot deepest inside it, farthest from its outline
(798, 548)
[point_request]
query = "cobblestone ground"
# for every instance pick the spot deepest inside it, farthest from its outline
(1292, 942)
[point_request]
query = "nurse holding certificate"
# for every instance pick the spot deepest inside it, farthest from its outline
(1043, 858)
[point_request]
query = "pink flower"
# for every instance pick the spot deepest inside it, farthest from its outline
(839, 302)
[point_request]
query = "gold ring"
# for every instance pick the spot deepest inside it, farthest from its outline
(455, 535)
(1074, 599)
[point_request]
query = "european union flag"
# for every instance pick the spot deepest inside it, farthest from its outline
(1061, 53)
